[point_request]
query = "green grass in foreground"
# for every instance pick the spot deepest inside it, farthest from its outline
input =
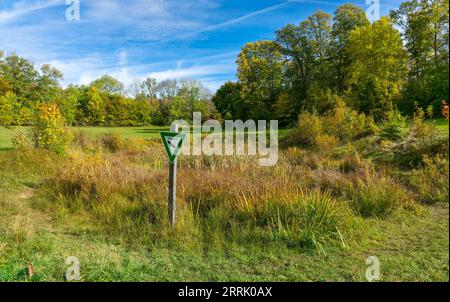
(410, 248)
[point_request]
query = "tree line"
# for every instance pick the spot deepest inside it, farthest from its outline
(104, 102)
(398, 62)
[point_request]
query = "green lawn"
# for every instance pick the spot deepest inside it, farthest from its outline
(6, 135)
(145, 132)
(442, 125)
(127, 132)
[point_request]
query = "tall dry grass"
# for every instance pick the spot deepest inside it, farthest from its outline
(309, 200)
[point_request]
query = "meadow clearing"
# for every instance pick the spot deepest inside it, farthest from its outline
(361, 184)
(315, 216)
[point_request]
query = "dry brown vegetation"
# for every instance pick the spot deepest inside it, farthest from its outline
(308, 200)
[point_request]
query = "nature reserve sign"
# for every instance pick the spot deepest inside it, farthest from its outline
(172, 143)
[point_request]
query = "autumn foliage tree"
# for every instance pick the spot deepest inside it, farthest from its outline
(49, 129)
(324, 60)
(378, 67)
(260, 67)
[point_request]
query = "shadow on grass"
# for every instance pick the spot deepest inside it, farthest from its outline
(31, 185)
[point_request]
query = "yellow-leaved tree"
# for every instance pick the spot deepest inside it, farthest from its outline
(49, 129)
(379, 67)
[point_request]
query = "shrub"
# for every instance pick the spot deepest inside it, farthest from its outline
(111, 141)
(340, 123)
(346, 124)
(309, 126)
(49, 130)
(432, 181)
(421, 139)
(24, 117)
(423, 132)
(370, 127)
(326, 143)
(394, 127)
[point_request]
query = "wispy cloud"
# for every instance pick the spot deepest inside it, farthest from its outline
(25, 7)
(244, 17)
(84, 71)
(125, 11)
(256, 13)
(190, 72)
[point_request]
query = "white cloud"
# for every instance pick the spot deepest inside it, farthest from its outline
(84, 71)
(244, 17)
(190, 72)
(255, 14)
(25, 7)
(128, 11)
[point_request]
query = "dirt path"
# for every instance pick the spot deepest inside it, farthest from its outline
(25, 218)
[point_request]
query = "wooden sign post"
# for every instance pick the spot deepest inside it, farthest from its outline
(172, 143)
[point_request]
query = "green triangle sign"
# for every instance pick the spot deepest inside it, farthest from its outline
(172, 143)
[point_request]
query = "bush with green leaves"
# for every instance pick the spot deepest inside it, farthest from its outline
(49, 130)
(421, 138)
(309, 127)
(394, 127)
(346, 124)
(342, 123)
(325, 142)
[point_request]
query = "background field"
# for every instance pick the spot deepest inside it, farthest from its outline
(146, 132)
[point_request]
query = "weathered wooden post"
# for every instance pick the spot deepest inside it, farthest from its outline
(173, 184)
(172, 143)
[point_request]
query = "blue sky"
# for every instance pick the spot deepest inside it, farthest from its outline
(133, 39)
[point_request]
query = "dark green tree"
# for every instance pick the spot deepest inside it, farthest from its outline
(346, 18)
